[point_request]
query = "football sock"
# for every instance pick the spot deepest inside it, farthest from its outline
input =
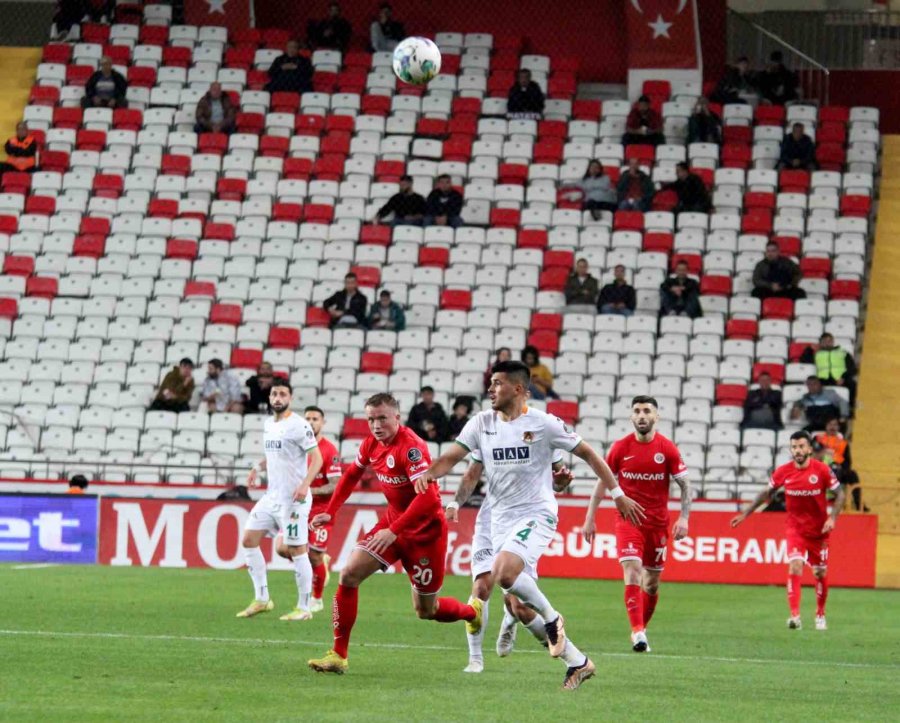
(634, 608)
(526, 589)
(508, 618)
(821, 595)
(649, 603)
(256, 566)
(318, 586)
(303, 574)
(475, 641)
(346, 602)
(449, 610)
(793, 592)
(572, 656)
(537, 628)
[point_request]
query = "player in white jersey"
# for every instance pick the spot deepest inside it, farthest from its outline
(516, 444)
(288, 440)
(514, 611)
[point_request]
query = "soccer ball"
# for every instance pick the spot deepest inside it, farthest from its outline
(417, 60)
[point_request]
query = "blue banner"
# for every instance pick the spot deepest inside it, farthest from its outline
(48, 528)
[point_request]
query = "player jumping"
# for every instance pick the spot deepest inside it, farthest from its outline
(643, 462)
(806, 482)
(413, 530)
(516, 444)
(287, 440)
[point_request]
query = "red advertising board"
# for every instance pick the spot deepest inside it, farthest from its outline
(195, 533)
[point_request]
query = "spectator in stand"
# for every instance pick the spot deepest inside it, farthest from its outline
(834, 366)
(819, 405)
(106, 88)
(428, 418)
(462, 410)
(777, 276)
(331, 33)
(692, 193)
(581, 289)
(386, 33)
(504, 353)
(215, 112)
(347, 307)
(444, 204)
(835, 453)
(798, 150)
(290, 72)
(643, 125)
(407, 206)
(680, 294)
(762, 407)
(387, 314)
(526, 99)
(704, 126)
(738, 85)
(259, 386)
(634, 189)
(599, 194)
(21, 151)
(617, 297)
(68, 14)
(777, 85)
(176, 390)
(77, 485)
(221, 390)
(541, 385)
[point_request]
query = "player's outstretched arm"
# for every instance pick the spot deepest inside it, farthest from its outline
(465, 489)
(441, 466)
(606, 480)
(839, 497)
(680, 529)
(313, 465)
(762, 498)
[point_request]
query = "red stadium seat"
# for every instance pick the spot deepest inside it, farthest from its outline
(646, 154)
(218, 231)
(40, 205)
(546, 342)
(367, 275)
(253, 123)
(375, 362)
(47, 95)
(759, 200)
(815, 267)
(531, 238)
(225, 314)
(549, 150)
(513, 173)
(181, 249)
(797, 348)
(736, 155)
(770, 115)
(457, 149)
(274, 146)
(9, 308)
(173, 165)
(16, 182)
(657, 89)
(659, 241)
(45, 287)
(741, 135)
(9, 224)
(215, 143)
(456, 300)
(747, 329)
(546, 322)
(57, 53)
(788, 245)
(776, 308)
(140, 76)
(316, 317)
(776, 371)
(731, 395)
(553, 279)
(628, 221)
(18, 265)
(355, 428)
(587, 110)
(858, 206)
(358, 59)
(376, 235)
(162, 208)
(199, 288)
(55, 161)
(176, 56)
(505, 217)
(329, 167)
(834, 114)
(693, 261)
(154, 35)
(246, 358)
(566, 411)
(90, 140)
(664, 200)
(95, 225)
(389, 171)
(715, 285)
(845, 289)
(78, 75)
(290, 212)
(758, 221)
(89, 244)
(791, 180)
(434, 256)
(832, 133)
(431, 127)
(284, 337)
(375, 105)
(831, 156)
(95, 33)
(318, 213)
(128, 119)
(231, 189)
(559, 259)
(462, 127)
(552, 129)
(297, 169)
(108, 185)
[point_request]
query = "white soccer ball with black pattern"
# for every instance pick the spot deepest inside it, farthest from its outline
(417, 60)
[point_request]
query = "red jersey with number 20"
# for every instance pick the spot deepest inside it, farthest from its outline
(804, 496)
(331, 467)
(643, 470)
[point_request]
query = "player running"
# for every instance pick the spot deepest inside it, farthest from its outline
(413, 530)
(806, 482)
(287, 440)
(516, 444)
(643, 462)
(321, 489)
(514, 611)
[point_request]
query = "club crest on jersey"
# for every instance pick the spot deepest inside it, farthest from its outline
(659, 458)
(528, 437)
(390, 461)
(813, 479)
(414, 455)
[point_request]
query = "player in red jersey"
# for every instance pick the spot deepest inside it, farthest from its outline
(412, 531)
(644, 462)
(806, 482)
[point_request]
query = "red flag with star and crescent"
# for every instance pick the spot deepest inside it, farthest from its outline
(662, 33)
(231, 14)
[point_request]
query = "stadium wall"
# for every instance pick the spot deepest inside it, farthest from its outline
(877, 88)
(593, 31)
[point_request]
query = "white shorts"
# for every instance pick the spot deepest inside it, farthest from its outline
(527, 537)
(289, 518)
(482, 550)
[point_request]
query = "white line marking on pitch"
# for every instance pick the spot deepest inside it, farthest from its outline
(36, 566)
(403, 646)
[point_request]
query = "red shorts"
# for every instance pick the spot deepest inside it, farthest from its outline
(423, 558)
(646, 543)
(814, 551)
(318, 536)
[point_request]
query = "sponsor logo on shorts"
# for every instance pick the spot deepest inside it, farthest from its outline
(414, 455)
(482, 555)
(630, 549)
(390, 461)
(514, 455)
(659, 458)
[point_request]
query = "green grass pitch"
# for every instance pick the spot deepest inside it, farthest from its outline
(101, 643)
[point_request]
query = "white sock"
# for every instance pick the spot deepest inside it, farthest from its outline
(536, 627)
(256, 566)
(508, 618)
(572, 656)
(525, 588)
(303, 574)
(475, 641)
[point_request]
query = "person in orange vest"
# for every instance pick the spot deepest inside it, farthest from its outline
(77, 485)
(835, 452)
(21, 151)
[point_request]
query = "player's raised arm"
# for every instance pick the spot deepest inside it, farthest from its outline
(441, 466)
(465, 489)
(313, 465)
(606, 480)
(764, 497)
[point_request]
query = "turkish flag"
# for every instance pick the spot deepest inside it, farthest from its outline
(231, 14)
(662, 34)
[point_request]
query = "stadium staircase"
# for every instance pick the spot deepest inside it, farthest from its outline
(17, 69)
(875, 449)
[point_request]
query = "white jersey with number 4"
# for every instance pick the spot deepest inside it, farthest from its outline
(517, 459)
(286, 444)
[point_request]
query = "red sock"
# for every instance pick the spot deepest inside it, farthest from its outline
(633, 606)
(793, 591)
(346, 602)
(821, 595)
(449, 610)
(318, 580)
(649, 603)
